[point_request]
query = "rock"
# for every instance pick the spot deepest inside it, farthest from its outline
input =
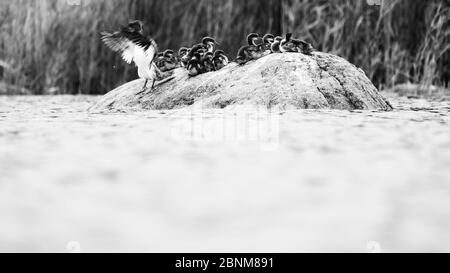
(287, 81)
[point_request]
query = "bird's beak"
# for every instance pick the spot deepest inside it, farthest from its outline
(217, 43)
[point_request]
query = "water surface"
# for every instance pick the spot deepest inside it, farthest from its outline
(212, 180)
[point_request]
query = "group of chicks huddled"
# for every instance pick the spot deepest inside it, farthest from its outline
(200, 58)
(258, 47)
(204, 57)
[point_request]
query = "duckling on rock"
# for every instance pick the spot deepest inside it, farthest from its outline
(159, 60)
(246, 54)
(275, 47)
(198, 48)
(260, 51)
(207, 43)
(207, 62)
(182, 52)
(205, 57)
(194, 67)
(210, 43)
(220, 60)
(303, 47)
(286, 44)
(169, 61)
(253, 39)
(294, 45)
(268, 40)
(252, 51)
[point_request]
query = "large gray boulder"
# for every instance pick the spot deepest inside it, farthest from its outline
(286, 81)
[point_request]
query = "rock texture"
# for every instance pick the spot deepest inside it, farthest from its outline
(287, 81)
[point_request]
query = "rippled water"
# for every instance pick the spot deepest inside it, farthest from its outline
(193, 180)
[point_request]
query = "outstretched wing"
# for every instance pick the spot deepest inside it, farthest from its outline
(120, 44)
(132, 47)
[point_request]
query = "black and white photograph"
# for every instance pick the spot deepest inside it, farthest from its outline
(224, 126)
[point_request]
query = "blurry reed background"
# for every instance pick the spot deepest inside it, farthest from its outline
(51, 46)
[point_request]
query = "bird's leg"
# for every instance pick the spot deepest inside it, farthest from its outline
(145, 86)
(153, 84)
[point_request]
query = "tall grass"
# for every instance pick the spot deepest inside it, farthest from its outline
(50, 45)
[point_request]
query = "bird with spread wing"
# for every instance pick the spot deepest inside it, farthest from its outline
(130, 42)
